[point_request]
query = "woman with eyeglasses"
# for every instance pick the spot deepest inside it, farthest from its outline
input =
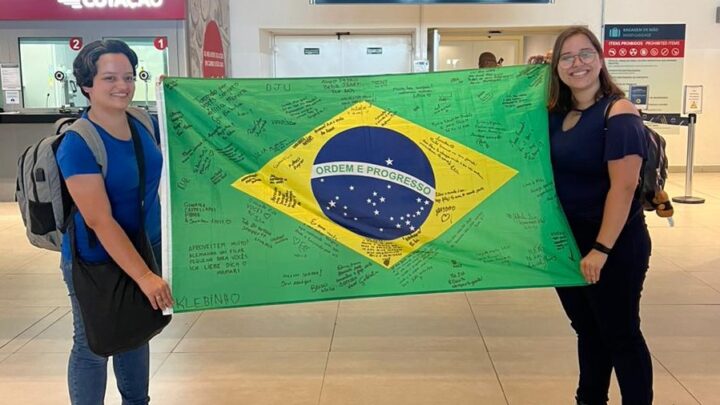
(596, 166)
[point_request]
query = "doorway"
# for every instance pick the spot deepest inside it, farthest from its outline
(341, 55)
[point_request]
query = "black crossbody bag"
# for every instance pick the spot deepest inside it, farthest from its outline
(117, 315)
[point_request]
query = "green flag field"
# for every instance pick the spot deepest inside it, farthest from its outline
(295, 190)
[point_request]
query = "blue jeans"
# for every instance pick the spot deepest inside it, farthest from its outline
(87, 372)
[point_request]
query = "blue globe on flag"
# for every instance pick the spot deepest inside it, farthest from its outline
(374, 182)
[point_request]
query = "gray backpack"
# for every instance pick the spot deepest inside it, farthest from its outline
(44, 201)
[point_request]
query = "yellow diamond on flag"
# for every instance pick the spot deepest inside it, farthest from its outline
(376, 183)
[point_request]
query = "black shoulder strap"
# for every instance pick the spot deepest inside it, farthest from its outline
(613, 100)
(638, 189)
(144, 118)
(140, 159)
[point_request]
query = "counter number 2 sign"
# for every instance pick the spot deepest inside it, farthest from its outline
(160, 43)
(76, 43)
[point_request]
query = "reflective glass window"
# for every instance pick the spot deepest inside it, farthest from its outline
(153, 61)
(46, 73)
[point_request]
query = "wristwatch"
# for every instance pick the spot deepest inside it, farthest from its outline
(601, 248)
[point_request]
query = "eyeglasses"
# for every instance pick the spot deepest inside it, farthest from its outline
(586, 56)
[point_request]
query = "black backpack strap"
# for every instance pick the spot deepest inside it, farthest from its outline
(613, 100)
(641, 179)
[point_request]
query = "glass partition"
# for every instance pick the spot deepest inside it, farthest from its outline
(46, 73)
(48, 81)
(153, 59)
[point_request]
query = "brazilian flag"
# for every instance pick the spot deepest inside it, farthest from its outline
(294, 190)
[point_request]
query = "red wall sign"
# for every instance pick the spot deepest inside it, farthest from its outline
(26, 10)
(76, 43)
(212, 52)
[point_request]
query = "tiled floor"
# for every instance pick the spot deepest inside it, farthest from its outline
(497, 347)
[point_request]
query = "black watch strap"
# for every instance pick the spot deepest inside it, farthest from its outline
(601, 248)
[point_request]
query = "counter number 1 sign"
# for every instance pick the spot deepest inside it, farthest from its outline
(76, 43)
(160, 43)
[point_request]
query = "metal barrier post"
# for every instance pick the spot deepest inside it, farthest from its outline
(688, 197)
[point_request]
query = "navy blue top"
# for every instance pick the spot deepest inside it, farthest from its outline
(122, 184)
(580, 156)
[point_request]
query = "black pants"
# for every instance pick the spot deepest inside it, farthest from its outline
(606, 317)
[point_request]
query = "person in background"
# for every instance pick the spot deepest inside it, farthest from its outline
(540, 59)
(108, 206)
(487, 60)
(536, 60)
(596, 174)
(548, 57)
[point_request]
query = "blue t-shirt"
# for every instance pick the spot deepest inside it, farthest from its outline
(122, 184)
(580, 156)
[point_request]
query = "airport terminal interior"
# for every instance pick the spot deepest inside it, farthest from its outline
(491, 347)
(487, 347)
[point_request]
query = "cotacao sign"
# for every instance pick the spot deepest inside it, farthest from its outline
(132, 4)
(69, 10)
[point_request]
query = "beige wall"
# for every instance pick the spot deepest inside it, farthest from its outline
(252, 23)
(538, 44)
(252, 20)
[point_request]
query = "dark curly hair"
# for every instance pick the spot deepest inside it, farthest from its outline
(85, 64)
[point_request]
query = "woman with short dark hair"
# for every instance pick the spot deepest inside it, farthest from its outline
(108, 211)
(596, 164)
